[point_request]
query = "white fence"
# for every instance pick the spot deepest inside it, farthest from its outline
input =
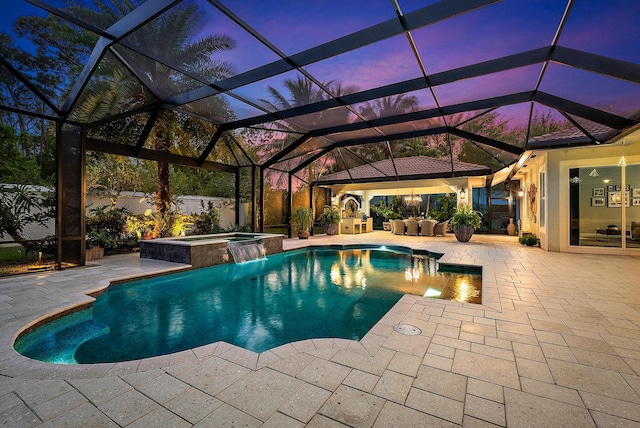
(137, 203)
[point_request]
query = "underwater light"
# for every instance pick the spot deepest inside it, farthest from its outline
(432, 292)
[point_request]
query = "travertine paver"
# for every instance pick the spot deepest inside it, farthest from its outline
(525, 410)
(352, 407)
(556, 342)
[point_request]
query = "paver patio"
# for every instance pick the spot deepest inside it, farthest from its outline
(556, 342)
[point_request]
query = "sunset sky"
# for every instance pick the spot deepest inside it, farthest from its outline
(604, 27)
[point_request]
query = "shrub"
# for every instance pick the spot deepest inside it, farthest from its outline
(106, 228)
(528, 240)
(208, 221)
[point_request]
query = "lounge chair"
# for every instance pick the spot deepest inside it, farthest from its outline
(440, 228)
(412, 227)
(426, 228)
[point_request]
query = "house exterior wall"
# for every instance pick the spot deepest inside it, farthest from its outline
(557, 165)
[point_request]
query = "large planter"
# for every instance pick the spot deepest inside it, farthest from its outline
(331, 228)
(463, 232)
(94, 253)
(303, 234)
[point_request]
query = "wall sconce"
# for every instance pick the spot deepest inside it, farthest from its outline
(521, 192)
(463, 194)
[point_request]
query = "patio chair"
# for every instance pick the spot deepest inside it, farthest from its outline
(426, 228)
(398, 227)
(412, 227)
(440, 228)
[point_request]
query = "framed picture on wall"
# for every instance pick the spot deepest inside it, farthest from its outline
(598, 192)
(598, 202)
(618, 187)
(611, 188)
(636, 202)
(636, 192)
(614, 199)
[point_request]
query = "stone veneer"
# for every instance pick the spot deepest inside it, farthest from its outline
(202, 252)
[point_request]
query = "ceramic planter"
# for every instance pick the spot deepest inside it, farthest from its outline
(463, 232)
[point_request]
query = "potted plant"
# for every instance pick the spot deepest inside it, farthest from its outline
(330, 218)
(302, 220)
(464, 220)
(97, 241)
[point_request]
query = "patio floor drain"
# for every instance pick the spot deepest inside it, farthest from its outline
(407, 329)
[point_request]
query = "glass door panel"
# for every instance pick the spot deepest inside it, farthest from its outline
(595, 201)
(633, 207)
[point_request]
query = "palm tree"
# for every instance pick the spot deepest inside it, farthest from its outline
(390, 106)
(172, 35)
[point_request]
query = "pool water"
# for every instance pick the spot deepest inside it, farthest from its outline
(302, 294)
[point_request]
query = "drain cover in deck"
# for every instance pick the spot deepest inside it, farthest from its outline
(407, 329)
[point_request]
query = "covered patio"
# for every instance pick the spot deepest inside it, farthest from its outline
(278, 110)
(556, 342)
(297, 96)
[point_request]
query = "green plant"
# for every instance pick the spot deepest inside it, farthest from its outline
(140, 226)
(208, 221)
(21, 205)
(106, 227)
(445, 206)
(330, 215)
(529, 240)
(390, 211)
(302, 218)
(464, 214)
(101, 238)
(245, 229)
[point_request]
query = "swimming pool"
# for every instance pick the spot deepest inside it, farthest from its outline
(302, 294)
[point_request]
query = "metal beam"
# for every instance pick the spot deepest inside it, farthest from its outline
(311, 159)
(619, 69)
(122, 28)
(486, 141)
(580, 127)
(68, 17)
(561, 104)
(207, 150)
(147, 130)
(446, 174)
(282, 153)
(125, 150)
(427, 15)
(34, 114)
(392, 137)
(26, 82)
(428, 114)
(123, 115)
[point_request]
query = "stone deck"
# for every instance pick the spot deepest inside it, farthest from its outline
(556, 342)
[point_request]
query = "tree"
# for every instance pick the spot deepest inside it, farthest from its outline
(393, 105)
(15, 167)
(33, 137)
(114, 89)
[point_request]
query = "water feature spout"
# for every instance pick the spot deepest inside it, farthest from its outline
(244, 251)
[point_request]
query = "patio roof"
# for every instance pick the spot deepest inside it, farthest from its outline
(409, 168)
(587, 133)
(335, 86)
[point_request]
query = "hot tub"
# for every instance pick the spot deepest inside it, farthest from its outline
(205, 250)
